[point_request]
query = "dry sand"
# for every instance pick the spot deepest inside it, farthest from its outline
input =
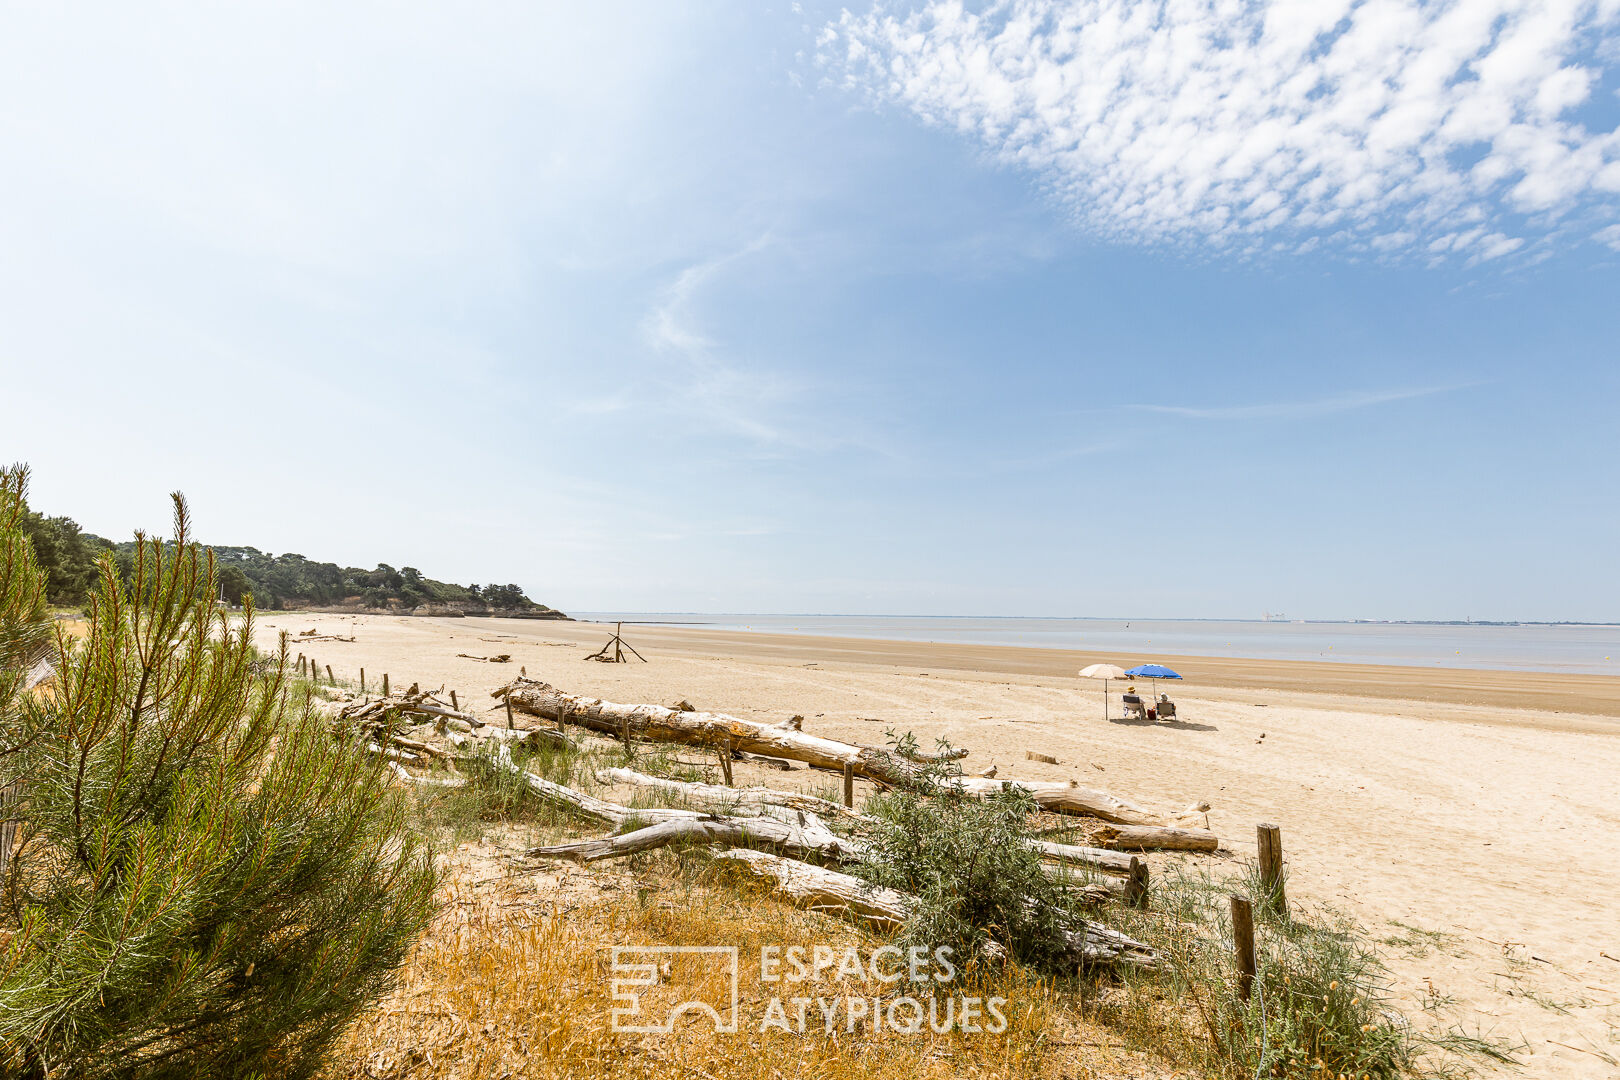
(1482, 806)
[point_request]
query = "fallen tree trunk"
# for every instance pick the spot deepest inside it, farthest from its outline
(566, 798)
(715, 730)
(1157, 838)
(1113, 862)
(820, 889)
(1064, 798)
(724, 800)
(811, 839)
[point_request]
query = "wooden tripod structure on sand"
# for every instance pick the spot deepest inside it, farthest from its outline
(618, 645)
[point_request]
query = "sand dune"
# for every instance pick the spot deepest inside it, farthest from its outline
(1480, 806)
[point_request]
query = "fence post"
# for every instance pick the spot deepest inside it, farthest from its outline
(454, 704)
(385, 684)
(725, 761)
(331, 679)
(1136, 885)
(849, 784)
(1243, 944)
(1269, 838)
(509, 710)
(362, 680)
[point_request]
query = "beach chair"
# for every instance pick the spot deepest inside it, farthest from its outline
(1167, 708)
(1134, 707)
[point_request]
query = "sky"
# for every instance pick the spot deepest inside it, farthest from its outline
(1158, 309)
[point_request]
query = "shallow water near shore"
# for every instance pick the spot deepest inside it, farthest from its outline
(1575, 649)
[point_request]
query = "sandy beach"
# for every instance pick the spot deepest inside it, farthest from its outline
(1471, 819)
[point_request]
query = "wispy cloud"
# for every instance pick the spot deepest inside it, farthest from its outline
(1289, 410)
(736, 398)
(1438, 130)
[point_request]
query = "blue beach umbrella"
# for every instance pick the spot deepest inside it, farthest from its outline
(1154, 672)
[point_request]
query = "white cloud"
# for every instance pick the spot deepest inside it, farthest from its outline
(1288, 410)
(1388, 125)
(737, 398)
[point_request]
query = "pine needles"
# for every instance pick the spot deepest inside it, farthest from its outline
(206, 881)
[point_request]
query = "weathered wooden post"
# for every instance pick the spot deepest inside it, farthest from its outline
(1269, 838)
(331, 679)
(618, 640)
(385, 684)
(508, 710)
(454, 704)
(849, 784)
(624, 730)
(1136, 885)
(300, 663)
(725, 761)
(362, 680)
(1243, 944)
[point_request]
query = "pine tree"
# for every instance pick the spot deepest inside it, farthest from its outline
(205, 881)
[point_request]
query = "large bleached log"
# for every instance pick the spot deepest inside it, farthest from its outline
(1157, 838)
(811, 839)
(1059, 797)
(749, 801)
(715, 730)
(821, 889)
(1113, 862)
(1134, 889)
(566, 798)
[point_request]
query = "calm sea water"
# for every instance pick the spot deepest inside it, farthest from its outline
(1591, 650)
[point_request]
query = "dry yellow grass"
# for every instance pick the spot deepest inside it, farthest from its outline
(513, 984)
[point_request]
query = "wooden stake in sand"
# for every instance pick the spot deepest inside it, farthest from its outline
(385, 684)
(1243, 944)
(509, 714)
(1271, 867)
(454, 704)
(362, 680)
(330, 678)
(849, 784)
(725, 763)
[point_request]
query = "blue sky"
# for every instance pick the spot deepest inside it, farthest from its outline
(1028, 309)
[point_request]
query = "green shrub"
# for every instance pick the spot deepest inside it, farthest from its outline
(976, 876)
(206, 881)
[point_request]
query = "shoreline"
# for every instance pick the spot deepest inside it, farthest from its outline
(1541, 691)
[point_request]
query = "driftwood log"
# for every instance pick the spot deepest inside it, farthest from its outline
(714, 730)
(1157, 838)
(766, 802)
(1061, 797)
(805, 840)
(749, 801)
(821, 889)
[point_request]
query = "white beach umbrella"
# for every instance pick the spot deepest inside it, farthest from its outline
(1104, 672)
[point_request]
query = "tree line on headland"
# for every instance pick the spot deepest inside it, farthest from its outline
(67, 556)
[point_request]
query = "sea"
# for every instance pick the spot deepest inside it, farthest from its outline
(1575, 648)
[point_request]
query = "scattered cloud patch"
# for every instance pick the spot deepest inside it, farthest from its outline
(1463, 130)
